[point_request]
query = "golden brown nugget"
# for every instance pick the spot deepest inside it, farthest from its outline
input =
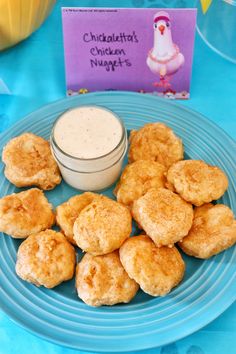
(156, 142)
(156, 270)
(102, 226)
(29, 162)
(25, 213)
(137, 178)
(197, 182)
(213, 231)
(67, 212)
(45, 258)
(102, 280)
(163, 215)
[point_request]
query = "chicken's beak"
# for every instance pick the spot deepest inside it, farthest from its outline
(161, 29)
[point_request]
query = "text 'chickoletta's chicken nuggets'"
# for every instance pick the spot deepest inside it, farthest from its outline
(29, 162)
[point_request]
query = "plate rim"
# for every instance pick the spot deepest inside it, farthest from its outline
(195, 328)
(115, 93)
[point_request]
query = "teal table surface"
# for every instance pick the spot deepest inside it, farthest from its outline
(34, 73)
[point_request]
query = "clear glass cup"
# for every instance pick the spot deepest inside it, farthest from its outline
(92, 174)
(217, 27)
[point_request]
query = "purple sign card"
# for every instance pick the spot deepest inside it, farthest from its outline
(143, 50)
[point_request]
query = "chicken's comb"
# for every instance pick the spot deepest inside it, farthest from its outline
(159, 18)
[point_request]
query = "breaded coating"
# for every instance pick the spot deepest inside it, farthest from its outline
(163, 215)
(67, 212)
(102, 280)
(213, 231)
(102, 226)
(156, 270)
(29, 162)
(137, 178)
(196, 181)
(155, 142)
(25, 213)
(46, 258)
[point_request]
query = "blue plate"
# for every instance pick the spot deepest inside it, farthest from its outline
(208, 287)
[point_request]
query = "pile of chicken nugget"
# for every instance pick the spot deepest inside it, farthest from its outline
(169, 198)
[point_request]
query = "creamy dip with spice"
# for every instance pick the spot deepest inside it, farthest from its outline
(89, 144)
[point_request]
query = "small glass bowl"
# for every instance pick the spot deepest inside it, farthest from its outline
(91, 174)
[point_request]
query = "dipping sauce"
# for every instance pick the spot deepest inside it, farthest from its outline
(88, 132)
(89, 144)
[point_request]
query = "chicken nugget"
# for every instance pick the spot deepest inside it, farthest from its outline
(25, 213)
(156, 270)
(45, 258)
(29, 162)
(67, 212)
(163, 215)
(137, 178)
(156, 142)
(102, 280)
(196, 181)
(213, 231)
(102, 226)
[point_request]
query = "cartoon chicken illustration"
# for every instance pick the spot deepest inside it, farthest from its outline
(164, 58)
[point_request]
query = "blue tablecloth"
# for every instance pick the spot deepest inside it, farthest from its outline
(34, 72)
